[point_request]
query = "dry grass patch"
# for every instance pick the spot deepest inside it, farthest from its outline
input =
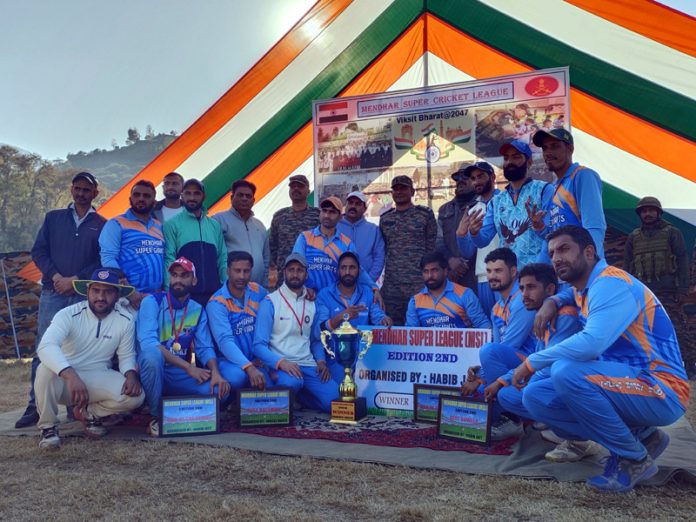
(134, 480)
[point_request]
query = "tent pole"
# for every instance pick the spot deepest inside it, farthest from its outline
(9, 308)
(426, 81)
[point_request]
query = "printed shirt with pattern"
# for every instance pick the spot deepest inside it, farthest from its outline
(456, 307)
(137, 248)
(233, 322)
(286, 225)
(155, 327)
(622, 321)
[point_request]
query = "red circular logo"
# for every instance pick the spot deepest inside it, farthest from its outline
(541, 86)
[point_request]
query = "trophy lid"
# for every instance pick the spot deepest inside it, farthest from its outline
(346, 328)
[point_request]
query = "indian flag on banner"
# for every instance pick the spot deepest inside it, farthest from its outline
(459, 136)
(333, 112)
(428, 130)
(403, 143)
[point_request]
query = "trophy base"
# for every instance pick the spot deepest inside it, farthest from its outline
(349, 412)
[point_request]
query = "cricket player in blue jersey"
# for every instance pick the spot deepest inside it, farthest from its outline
(170, 325)
(347, 297)
(232, 312)
(618, 378)
(323, 245)
(577, 192)
(134, 243)
(537, 282)
(512, 341)
(442, 303)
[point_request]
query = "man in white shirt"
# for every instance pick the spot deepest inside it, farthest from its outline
(287, 339)
(76, 353)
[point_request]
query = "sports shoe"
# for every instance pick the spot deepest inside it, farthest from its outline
(91, 424)
(550, 436)
(28, 418)
(49, 438)
(621, 475)
(539, 426)
(153, 427)
(504, 428)
(656, 443)
(573, 451)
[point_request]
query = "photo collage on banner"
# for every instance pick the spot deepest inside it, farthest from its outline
(363, 142)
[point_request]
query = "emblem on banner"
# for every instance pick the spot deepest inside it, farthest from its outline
(541, 86)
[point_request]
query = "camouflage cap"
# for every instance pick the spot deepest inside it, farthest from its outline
(649, 201)
(402, 180)
(299, 178)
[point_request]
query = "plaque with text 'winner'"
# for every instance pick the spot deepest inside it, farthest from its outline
(269, 407)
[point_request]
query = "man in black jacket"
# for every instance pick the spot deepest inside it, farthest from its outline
(66, 249)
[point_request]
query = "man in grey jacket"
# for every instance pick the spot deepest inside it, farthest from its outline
(243, 232)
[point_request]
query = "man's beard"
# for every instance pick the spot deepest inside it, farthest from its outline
(294, 283)
(193, 206)
(514, 173)
(434, 284)
(180, 291)
(348, 281)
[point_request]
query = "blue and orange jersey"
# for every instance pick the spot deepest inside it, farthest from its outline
(330, 302)
(456, 307)
(137, 248)
(577, 200)
(232, 322)
(622, 321)
(513, 323)
(155, 328)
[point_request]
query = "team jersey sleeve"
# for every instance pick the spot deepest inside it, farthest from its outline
(412, 313)
(315, 341)
(378, 256)
(222, 333)
(588, 193)
(567, 324)
(262, 335)
(147, 327)
(110, 244)
(475, 311)
(204, 342)
(323, 312)
(612, 309)
(466, 246)
(520, 326)
(377, 315)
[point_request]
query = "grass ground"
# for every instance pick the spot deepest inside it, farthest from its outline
(134, 480)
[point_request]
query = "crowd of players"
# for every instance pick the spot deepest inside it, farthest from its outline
(177, 301)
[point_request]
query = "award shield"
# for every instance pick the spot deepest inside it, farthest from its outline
(343, 345)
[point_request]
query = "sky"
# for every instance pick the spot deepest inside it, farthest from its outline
(78, 73)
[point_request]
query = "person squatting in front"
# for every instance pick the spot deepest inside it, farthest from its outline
(76, 354)
(170, 324)
(618, 378)
(512, 341)
(287, 339)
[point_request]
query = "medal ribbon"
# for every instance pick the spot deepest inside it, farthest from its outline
(292, 309)
(172, 313)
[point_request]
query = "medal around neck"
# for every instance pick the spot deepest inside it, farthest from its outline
(343, 345)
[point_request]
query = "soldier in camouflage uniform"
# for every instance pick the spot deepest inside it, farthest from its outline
(410, 231)
(656, 254)
(288, 222)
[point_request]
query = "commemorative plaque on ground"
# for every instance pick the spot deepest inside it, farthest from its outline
(189, 415)
(426, 401)
(270, 407)
(465, 419)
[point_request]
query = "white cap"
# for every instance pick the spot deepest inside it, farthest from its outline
(357, 194)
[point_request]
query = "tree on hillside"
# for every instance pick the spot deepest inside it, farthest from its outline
(133, 136)
(149, 133)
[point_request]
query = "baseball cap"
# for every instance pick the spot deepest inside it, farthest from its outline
(295, 257)
(194, 181)
(184, 263)
(87, 176)
(357, 194)
(518, 145)
(332, 201)
(402, 180)
(481, 165)
(299, 178)
(559, 134)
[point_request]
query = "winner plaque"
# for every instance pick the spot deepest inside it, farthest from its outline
(343, 345)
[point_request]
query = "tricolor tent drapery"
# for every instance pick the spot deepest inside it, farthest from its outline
(633, 91)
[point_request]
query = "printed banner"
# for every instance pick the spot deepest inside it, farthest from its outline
(362, 142)
(401, 357)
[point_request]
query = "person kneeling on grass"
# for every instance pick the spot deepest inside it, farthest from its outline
(618, 378)
(76, 353)
(287, 339)
(170, 324)
(538, 282)
(513, 339)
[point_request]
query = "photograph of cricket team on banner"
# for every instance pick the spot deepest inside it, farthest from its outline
(401, 357)
(363, 142)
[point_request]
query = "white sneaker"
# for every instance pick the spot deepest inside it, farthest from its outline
(573, 451)
(540, 426)
(153, 428)
(49, 438)
(550, 436)
(505, 428)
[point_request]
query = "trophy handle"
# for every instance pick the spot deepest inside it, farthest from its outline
(367, 337)
(325, 336)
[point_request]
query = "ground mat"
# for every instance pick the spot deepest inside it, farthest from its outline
(402, 442)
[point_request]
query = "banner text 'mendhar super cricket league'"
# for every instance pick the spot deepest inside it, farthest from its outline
(362, 142)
